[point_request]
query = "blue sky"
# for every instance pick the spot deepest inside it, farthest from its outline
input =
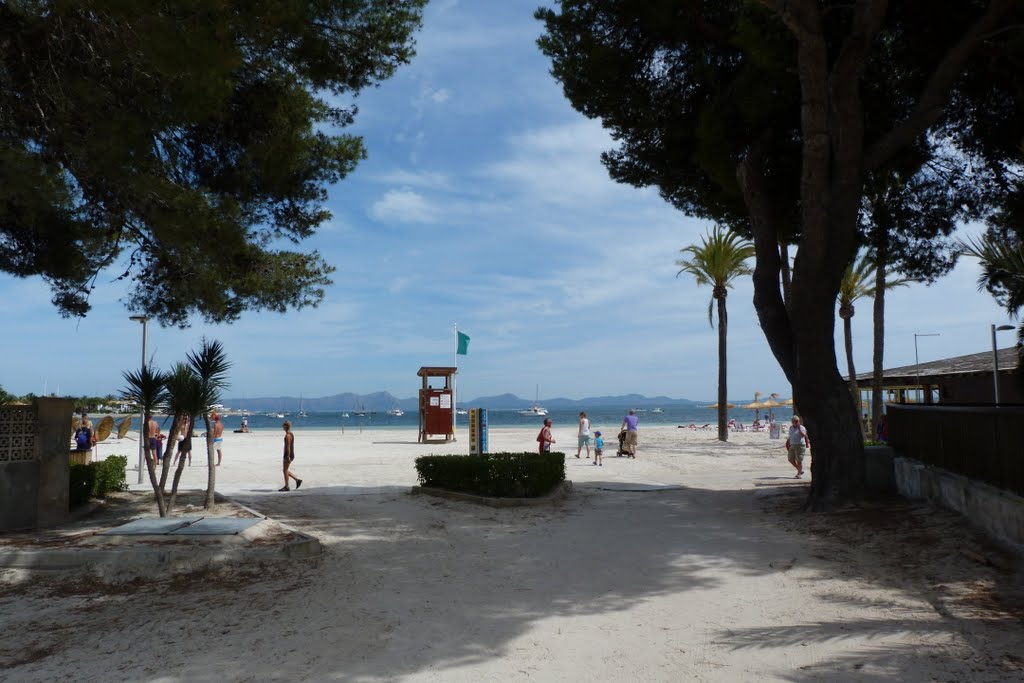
(484, 203)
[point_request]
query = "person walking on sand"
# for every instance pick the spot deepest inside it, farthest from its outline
(289, 456)
(218, 437)
(598, 449)
(796, 442)
(583, 435)
(545, 438)
(631, 423)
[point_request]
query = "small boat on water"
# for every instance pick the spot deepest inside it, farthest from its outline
(462, 411)
(396, 412)
(535, 409)
(657, 410)
(279, 415)
(344, 414)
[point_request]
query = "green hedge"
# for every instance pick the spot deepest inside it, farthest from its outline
(500, 475)
(97, 479)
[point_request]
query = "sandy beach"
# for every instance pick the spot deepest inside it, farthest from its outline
(688, 563)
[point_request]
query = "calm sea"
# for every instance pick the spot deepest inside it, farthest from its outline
(600, 418)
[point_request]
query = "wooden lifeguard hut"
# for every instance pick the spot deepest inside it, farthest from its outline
(437, 405)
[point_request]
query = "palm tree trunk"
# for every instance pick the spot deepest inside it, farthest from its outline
(168, 454)
(851, 372)
(211, 477)
(877, 400)
(151, 467)
(723, 409)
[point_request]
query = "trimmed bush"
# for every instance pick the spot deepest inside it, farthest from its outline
(96, 479)
(500, 475)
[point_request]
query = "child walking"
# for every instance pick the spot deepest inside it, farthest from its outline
(598, 449)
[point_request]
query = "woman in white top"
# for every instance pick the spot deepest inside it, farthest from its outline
(583, 434)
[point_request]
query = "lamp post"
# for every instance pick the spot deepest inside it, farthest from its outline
(917, 363)
(995, 358)
(142, 413)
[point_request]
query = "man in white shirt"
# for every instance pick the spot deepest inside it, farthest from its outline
(796, 443)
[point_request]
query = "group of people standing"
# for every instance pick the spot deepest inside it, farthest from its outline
(627, 437)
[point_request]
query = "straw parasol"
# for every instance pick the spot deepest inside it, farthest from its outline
(715, 405)
(123, 428)
(104, 428)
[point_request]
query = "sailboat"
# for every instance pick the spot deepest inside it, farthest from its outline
(535, 409)
(302, 413)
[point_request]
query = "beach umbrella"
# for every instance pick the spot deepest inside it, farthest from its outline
(123, 428)
(787, 402)
(715, 406)
(104, 428)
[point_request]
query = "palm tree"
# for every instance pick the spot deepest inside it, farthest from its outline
(859, 281)
(185, 402)
(1002, 274)
(211, 366)
(718, 260)
(148, 388)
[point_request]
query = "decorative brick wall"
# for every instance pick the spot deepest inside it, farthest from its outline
(17, 434)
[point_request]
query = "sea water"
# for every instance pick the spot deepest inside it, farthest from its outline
(607, 419)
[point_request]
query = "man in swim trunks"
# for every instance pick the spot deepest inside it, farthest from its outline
(156, 440)
(218, 436)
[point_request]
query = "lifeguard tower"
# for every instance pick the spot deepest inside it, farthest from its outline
(437, 405)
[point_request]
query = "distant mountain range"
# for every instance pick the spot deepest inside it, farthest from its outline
(382, 400)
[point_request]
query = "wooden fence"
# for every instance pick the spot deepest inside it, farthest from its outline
(980, 442)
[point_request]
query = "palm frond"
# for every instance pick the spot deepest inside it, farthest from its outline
(146, 386)
(720, 258)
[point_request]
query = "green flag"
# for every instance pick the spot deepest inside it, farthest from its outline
(463, 347)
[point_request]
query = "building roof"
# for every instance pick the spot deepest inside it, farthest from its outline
(971, 364)
(436, 371)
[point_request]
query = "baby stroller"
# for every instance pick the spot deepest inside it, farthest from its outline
(622, 444)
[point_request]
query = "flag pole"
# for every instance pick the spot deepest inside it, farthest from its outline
(454, 380)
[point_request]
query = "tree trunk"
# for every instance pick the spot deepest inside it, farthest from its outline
(150, 456)
(877, 399)
(168, 454)
(787, 278)
(723, 406)
(211, 459)
(851, 373)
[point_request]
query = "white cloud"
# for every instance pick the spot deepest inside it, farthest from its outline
(404, 206)
(431, 180)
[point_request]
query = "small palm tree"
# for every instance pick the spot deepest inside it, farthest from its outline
(211, 366)
(185, 401)
(859, 281)
(148, 388)
(719, 259)
(1002, 274)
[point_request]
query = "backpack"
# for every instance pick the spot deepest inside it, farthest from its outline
(82, 439)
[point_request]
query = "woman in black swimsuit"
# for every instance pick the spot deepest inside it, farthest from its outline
(289, 455)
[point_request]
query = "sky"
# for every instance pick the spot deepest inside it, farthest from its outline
(482, 203)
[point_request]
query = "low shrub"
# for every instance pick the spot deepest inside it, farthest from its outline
(500, 475)
(97, 479)
(111, 475)
(873, 442)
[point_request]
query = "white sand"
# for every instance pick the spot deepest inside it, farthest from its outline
(712, 581)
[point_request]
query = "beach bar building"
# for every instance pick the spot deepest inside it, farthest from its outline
(966, 379)
(437, 404)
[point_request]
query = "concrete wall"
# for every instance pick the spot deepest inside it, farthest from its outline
(998, 512)
(34, 472)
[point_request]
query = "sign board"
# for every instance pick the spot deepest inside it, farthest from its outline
(477, 431)
(774, 431)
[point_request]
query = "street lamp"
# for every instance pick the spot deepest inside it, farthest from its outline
(917, 363)
(142, 414)
(995, 357)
